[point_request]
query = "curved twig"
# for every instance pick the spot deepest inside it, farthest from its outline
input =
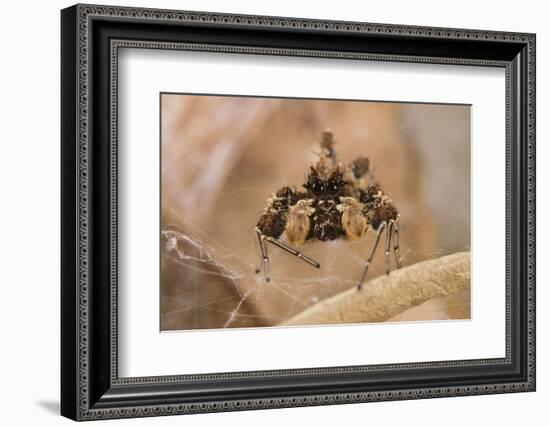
(386, 296)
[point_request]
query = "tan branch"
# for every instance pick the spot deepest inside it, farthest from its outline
(386, 296)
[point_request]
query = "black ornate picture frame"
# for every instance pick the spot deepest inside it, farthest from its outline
(90, 385)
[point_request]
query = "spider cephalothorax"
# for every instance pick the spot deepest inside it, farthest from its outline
(325, 185)
(336, 202)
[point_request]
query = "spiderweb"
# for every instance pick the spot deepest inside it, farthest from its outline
(208, 285)
(223, 289)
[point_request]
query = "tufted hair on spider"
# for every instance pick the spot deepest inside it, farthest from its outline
(327, 145)
(272, 223)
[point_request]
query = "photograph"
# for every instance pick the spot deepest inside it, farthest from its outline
(281, 212)
(266, 209)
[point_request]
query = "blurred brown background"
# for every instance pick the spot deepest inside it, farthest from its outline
(222, 157)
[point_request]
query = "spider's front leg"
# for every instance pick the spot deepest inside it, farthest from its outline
(391, 227)
(392, 231)
(287, 211)
(389, 230)
(382, 215)
(381, 227)
(293, 251)
(265, 256)
(396, 242)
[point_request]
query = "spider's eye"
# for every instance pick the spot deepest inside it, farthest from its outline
(333, 186)
(317, 187)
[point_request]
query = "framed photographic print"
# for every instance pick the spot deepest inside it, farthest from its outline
(263, 212)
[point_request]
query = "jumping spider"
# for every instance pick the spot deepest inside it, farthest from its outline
(336, 202)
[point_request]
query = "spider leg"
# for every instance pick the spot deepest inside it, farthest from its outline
(389, 234)
(293, 251)
(265, 256)
(266, 265)
(396, 243)
(371, 255)
(259, 242)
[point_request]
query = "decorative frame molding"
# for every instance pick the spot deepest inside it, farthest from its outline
(91, 37)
